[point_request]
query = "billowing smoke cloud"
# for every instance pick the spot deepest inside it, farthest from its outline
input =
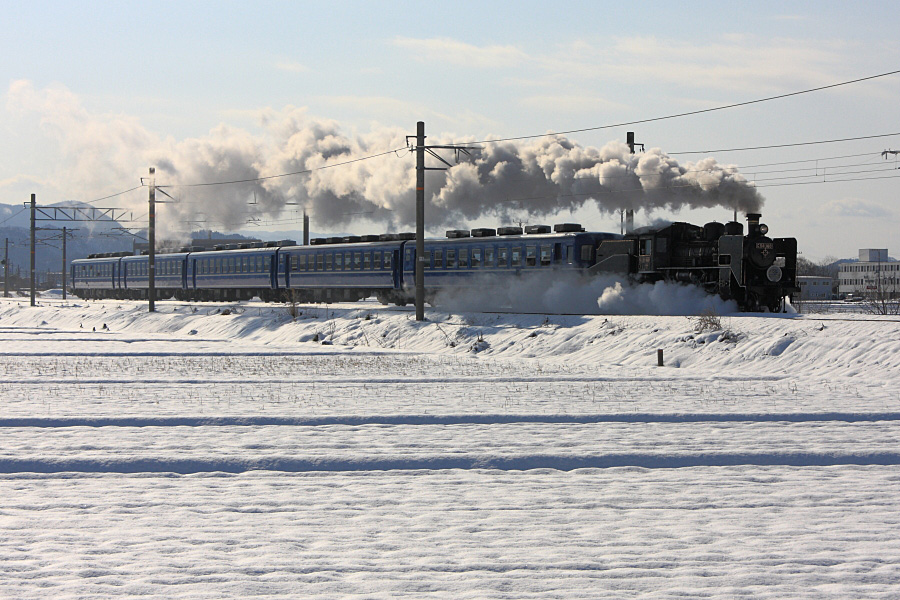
(554, 174)
(104, 153)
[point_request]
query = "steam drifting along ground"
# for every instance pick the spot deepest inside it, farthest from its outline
(194, 454)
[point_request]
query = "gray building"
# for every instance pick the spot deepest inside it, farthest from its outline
(874, 274)
(814, 287)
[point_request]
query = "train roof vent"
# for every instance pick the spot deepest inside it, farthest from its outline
(351, 239)
(197, 249)
(185, 249)
(532, 229)
(271, 244)
(318, 241)
(370, 238)
(509, 231)
(457, 233)
(219, 247)
(388, 237)
(286, 243)
(406, 235)
(245, 246)
(145, 252)
(334, 240)
(484, 232)
(568, 228)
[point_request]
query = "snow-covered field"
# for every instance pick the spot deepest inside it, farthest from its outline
(353, 452)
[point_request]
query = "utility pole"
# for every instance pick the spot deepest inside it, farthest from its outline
(64, 263)
(305, 228)
(151, 287)
(33, 205)
(6, 270)
(420, 221)
(629, 214)
(421, 149)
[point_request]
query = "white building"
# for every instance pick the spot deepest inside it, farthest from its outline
(873, 274)
(813, 287)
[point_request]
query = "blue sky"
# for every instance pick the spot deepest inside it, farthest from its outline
(95, 92)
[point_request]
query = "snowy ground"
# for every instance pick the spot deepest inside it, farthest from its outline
(353, 452)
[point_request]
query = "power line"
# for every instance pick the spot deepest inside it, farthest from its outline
(686, 114)
(806, 160)
(864, 137)
(609, 192)
(12, 216)
(346, 162)
(137, 187)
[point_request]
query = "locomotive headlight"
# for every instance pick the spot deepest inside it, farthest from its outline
(773, 274)
(763, 229)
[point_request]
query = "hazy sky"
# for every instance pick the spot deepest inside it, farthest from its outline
(96, 92)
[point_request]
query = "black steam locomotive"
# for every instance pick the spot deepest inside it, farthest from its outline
(756, 271)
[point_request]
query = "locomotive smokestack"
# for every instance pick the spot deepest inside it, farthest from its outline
(753, 220)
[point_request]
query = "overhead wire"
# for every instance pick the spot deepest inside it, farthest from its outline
(12, 216)
(773, 146)
(267, 177)
(137, 187)
(686, 114)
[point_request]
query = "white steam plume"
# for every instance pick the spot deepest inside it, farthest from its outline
(597, 295)
(102, 153)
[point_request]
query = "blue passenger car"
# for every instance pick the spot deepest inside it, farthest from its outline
(169, 279)
(461, 261)
(341, 271)
(231, 274)
(97, 276)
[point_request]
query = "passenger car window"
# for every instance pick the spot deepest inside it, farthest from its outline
(503, 256)
(516, 255)
(546, 255)
(530, 256)
(329, 262)
(376, 260)
(357, 261)
(367, 261)
(464, 258)
(476, 258)
(451, 259)
(320, 262)
(586, 252)
(295, 261)
(438, 259)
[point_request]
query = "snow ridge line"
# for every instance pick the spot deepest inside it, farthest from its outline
(437, 462)
(378, 380)
(463, 419)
